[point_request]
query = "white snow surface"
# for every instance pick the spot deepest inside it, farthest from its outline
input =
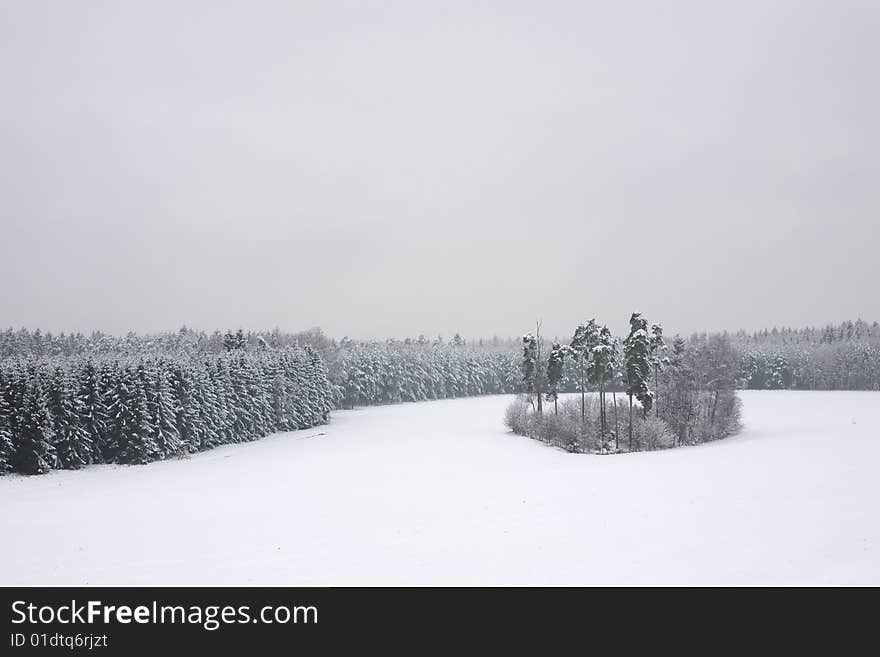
(439, 493)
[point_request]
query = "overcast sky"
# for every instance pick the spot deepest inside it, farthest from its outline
(396, 168)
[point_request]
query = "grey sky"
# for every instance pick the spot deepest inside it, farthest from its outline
(392, 168)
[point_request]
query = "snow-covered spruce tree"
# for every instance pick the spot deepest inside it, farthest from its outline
(131, 433)
(260, 395)
(73, 446)
(637, 366)
(162, 409)
(322, 386)
(678, 349)
(210, 407)
(294, 416)
(137, 445)
(279, 385)
(34, 452)
(204, 421)
(586, 336)
(93, 408)
(7, 447)
(114, 384)
(188, 419)
(225, 401)
(245, 424)
(229, 342)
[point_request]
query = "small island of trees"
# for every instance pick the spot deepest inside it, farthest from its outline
(668, 397)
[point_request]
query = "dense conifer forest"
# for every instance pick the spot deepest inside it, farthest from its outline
(60, 411)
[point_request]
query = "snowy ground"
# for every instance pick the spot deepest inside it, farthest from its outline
(439, 493)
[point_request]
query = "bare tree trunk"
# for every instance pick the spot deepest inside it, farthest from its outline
(657, 391)
(616, 424)
(539, 380)
(583, 393)
(630, 444)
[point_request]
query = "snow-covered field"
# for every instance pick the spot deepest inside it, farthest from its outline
(440, 493)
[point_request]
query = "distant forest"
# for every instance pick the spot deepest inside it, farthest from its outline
(843, 356)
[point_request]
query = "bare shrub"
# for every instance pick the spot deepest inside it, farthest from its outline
(651, 433)
(516, 417)
(570, 430)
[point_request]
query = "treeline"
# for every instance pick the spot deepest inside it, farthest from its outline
(679, 396)
(837, 357)
(58, 412)
(364, 374)
(186, 341)
(23, 342)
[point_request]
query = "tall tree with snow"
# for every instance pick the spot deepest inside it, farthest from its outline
(34, 453)
(7, 447)
(162, 410)
(138, 445)
(555, 366)
(93, 409)
(586, 336)
(532, 366)
(637, 367)
(603, 362)
(72, 443)
(658, 358)
(529, 363)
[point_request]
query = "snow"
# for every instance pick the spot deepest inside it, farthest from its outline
(439, 493)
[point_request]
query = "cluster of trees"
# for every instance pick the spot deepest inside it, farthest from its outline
(385, 373)
(684, 397)
(837, 357)
(58, 412)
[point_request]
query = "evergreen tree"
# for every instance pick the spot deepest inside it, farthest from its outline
(678, 349)
(229, 342)
(34, 453)
(73, 447)
(119, 384)
(657, 346)
(93, 409)
(7, 447)
(162, 412)
(637, 365)
(586, 337)
(555, 365)
(601, 371)
(188, 421)
(531, 366)
(136, 442)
